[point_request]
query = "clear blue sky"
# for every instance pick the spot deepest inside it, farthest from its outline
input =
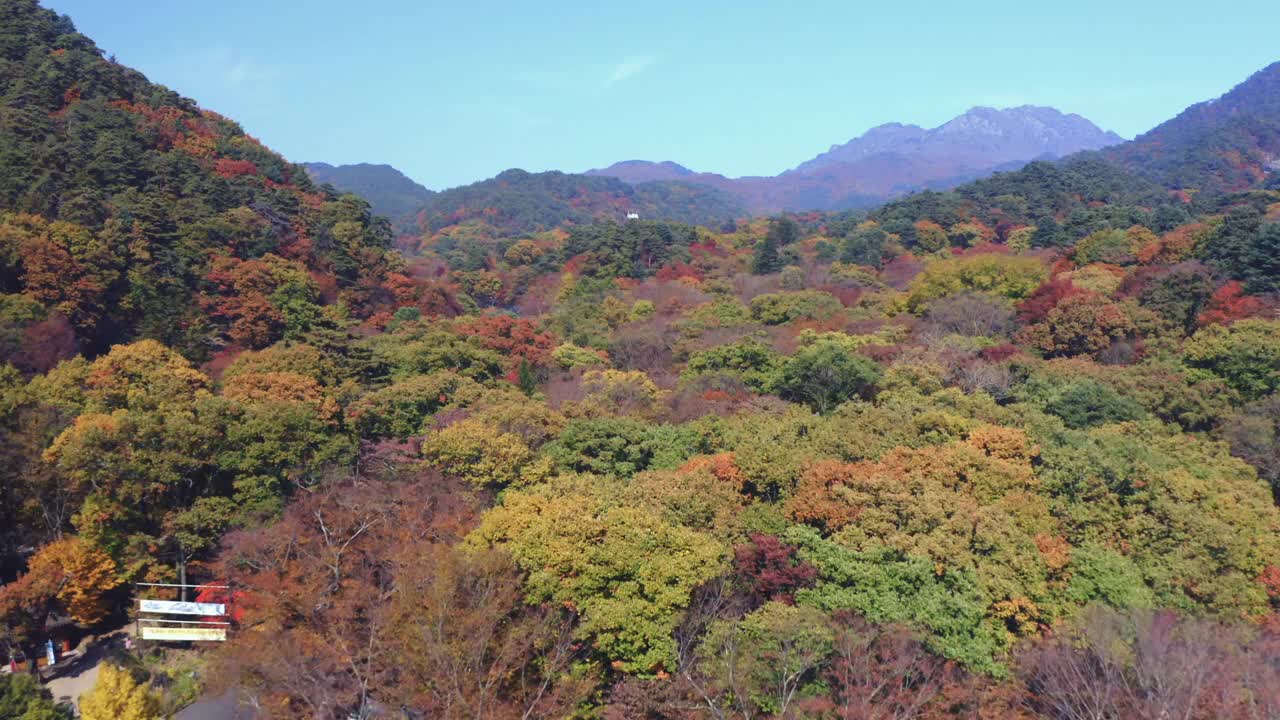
(452, 92)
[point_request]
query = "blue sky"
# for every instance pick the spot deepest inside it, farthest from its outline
(455, 92)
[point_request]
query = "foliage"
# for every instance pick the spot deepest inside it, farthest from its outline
(1246, 355)
(478, 453)
(778, 308)
(1250, 258)
(569, 356)
(1080, 324)
(1087, 403)
(624, 570)
(885, 586)
(619, 446)
(825, 373)
(549, 464)
(755, 363)
(81, 576)
(1007, 276)
(22, 698)
(519, 202)
(770, 570)
(1254, 436)
(118, 696)
(401, 408)
(634, 249)
(1168, 501)
(765, 661)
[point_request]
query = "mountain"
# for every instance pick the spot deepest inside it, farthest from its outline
(1231, 143)
(895, 159)
(391, 193)
(981, 137)
(517, 201)
(128, 211)
(1194, 163)
(638, 171)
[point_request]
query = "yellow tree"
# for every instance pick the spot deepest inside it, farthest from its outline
(117, 696)
(83, 575)
(482, 455)
(71, 575)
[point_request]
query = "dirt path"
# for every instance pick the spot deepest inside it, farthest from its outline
(68, 682)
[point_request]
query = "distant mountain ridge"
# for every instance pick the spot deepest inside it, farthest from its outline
(1223, 145)
(988, 135)
(1210, 158)
(391, 193)
(895, 159)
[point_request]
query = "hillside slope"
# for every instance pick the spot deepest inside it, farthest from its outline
(1230, 143)
(391, 193)
(128, 211)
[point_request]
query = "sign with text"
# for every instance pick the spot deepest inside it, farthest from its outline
(152, 632)
(183, 608)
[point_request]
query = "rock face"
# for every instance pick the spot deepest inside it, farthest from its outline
(893, 159)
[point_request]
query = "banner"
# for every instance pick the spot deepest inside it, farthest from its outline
(152, 632)
(183, 608)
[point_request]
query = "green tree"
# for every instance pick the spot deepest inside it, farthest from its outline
(865, 246)
(22, 698)
(783, 307)
(826, 374)
(400, 409)
(1246, 249)
(756, 364)
(620, 446)
(887, 586)
(626, 571)
(765, 258)
(1245, 354)
(479, 453)
(1086, 403)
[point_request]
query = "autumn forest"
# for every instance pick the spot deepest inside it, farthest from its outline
(1005, 450)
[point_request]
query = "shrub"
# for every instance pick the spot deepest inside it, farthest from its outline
(779, 308)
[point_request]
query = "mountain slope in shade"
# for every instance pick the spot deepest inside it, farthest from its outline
(391, 193)
(895, 159)
(1231, 143)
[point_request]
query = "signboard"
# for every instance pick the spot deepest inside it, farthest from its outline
(183, 608)
(152, 632)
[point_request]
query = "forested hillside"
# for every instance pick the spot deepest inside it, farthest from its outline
(1226, 144)
(518, 202)
(1008, 451)
(130, 212)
